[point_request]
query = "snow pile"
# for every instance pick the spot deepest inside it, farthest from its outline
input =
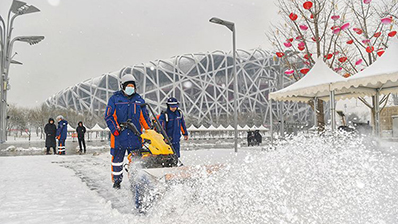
(329, 179)
(20, 149)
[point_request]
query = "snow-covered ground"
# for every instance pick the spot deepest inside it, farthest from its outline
(305, 179)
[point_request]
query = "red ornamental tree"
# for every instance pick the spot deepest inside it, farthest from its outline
(342, 32)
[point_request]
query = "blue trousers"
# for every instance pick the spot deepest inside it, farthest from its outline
(117, 162)
(176, 146)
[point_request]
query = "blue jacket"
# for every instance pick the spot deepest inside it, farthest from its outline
(62, 130)
(175, 124)
(121, 108)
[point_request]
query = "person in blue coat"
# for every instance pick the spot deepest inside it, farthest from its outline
(62, 133)
(125, 105)
(172, 121)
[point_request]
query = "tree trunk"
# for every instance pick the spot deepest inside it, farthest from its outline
(320, 115)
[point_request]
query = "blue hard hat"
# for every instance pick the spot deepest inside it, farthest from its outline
(172, 102)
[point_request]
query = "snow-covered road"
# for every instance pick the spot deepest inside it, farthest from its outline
(305, 180)
(36, 189)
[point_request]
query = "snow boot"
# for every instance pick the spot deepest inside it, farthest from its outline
(116, 185)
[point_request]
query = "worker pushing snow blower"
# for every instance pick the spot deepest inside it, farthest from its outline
(156, 165)
(147, 165)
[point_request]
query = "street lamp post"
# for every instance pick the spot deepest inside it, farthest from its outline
(271, 131)
(17, 8)
(231, 26)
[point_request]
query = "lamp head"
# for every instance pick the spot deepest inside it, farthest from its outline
(30, 39)
(20, 8)
(229, 25)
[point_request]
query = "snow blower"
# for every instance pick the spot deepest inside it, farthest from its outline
(155, 165)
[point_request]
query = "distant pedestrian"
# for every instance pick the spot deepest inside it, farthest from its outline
(51, 130)
(81, 130)
(62, 132)
(258, 137)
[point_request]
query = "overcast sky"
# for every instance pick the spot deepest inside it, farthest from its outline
(86, 38)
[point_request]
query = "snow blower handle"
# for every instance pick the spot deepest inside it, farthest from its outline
(159, 127)
(129, 125)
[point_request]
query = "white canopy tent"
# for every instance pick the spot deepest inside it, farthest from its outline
(211, 128)
(379, 78)
(221, 128)
(260, 128)
(245, 128)
(229, 128)
(96, 128)
(315, 84)
(202, 128)
(192, 128)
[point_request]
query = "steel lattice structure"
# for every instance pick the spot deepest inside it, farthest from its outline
(202, 82)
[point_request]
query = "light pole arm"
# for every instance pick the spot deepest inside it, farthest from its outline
(2, 33)
(10, 27)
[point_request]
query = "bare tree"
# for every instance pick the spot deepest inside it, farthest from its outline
(348, 35)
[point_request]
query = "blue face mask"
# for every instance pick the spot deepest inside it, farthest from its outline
(129, 90)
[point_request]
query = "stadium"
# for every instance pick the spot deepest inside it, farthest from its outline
(202, 82)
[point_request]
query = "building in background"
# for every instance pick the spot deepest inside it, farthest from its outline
(202, 82)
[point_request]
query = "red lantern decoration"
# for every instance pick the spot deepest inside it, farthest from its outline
(290, 40)
(386, 20)
(307, 5)
(287, 44)
(293, 16)
(289, 72)
(345, 26)
(301, 48)
(329, 56)
(307, 56)
(312, 16)
(358, 31)
(378, 34)
(350, 41)
(336, 30)
(392, 33)
(305, 70)
(280, 54)
(303, 27)
(380, 52)
(343, 59)
(370, 49)
(366, 41)
(346, 75)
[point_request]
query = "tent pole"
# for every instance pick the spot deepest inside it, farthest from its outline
(377, 113)
(315, 112)
(271, 131)
(333, 110)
